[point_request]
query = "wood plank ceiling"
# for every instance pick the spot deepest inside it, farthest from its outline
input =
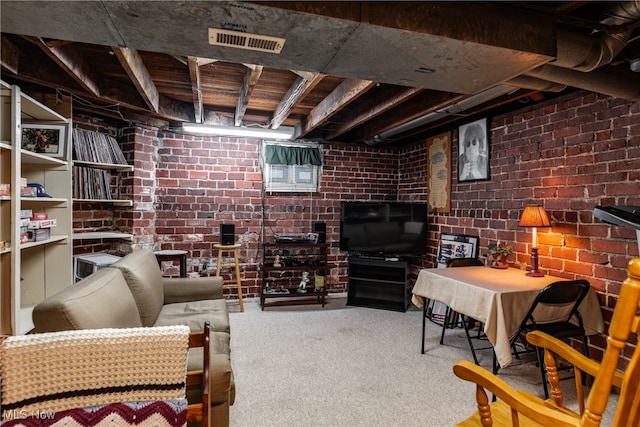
(342, 74)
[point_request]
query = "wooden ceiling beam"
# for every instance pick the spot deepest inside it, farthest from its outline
(71, 62)
(347, 92)
(9, 55)
(196, 89)
(300, 88)
(248, 85)
(428, 102)
(138, 74)
(388, 98)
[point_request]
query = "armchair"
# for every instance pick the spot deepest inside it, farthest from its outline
(515, 407)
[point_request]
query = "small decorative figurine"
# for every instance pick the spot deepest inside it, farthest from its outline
(276, 261)
(302, 289)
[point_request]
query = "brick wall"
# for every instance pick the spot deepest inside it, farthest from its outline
(570, 155)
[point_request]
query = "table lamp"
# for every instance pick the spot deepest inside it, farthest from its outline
(534, 216)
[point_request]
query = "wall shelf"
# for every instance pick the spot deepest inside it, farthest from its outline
(53, 239)
(90, 235)
(120, 202)
(106, 166)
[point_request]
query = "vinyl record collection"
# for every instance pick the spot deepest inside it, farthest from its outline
(94, 147)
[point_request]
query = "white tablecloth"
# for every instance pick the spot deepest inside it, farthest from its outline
(499, 298)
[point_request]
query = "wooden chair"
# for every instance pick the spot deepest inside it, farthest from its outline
(517, 408)
(200, 412)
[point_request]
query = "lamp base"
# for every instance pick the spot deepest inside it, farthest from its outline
(534, 272)
(537, 273)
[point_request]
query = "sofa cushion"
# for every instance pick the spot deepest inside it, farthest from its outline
(143, 275)
(195, 313)
(101, 300)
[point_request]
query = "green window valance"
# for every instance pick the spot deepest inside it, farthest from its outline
(284, 155)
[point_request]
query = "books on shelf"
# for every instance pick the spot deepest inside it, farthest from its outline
(89, 146)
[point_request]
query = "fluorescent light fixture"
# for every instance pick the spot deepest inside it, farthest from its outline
(280, 133)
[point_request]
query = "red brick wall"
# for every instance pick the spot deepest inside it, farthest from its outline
(570, 155)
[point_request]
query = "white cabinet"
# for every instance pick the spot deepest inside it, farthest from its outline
(34, 270)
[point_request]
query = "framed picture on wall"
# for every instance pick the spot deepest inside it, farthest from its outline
(456, 246)
(473, 151)
(48, 139)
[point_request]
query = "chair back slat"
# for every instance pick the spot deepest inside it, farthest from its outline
(624, 323)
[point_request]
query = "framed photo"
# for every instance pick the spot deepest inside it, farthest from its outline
(473, 151)
(48, 139)
(456, 246)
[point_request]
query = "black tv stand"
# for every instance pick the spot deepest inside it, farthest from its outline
(378, 283)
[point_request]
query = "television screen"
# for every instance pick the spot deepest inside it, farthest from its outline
(385, 229)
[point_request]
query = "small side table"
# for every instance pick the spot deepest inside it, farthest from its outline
(235, 264)
(173, 255)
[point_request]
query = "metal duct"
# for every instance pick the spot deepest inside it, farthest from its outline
(579, 58)
(588, 53)
(612, 81)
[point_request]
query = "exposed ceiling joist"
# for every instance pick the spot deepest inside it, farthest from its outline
(73, 64)
(132, 63)
(368, 111)
(249, 84)
(196, 89)
(347, 92)
(297, 92)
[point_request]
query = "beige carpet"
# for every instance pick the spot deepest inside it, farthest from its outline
(351, 366)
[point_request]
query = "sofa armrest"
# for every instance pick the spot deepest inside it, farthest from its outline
(184, 289)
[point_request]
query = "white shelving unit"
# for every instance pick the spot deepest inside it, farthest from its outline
(31, 271)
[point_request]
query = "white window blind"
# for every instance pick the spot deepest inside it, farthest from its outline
(291, 167)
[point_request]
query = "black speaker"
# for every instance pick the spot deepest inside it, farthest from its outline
(227, 234)
(321, 229)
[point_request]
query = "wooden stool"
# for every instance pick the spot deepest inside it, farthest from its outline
(171, 255)
(232, 249)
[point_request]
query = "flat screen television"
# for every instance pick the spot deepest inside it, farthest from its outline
(384, 229)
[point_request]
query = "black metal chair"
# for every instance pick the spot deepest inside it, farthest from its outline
(565, 296)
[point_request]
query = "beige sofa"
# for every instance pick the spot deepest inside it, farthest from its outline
(132, 293)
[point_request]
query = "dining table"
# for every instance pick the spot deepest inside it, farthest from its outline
(499, 299)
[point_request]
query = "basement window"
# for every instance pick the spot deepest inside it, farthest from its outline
(291, 167)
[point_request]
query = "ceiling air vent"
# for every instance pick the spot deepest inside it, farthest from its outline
(218, 37)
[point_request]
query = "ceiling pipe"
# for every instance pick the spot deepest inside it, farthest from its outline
(587, 53)
(452, 109)
(530, 82)
(579, 57)
(610, 80)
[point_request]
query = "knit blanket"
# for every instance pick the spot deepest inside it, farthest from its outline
(54, 372)
(166, 413)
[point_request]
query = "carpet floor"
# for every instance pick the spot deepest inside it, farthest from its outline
(351, 366)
